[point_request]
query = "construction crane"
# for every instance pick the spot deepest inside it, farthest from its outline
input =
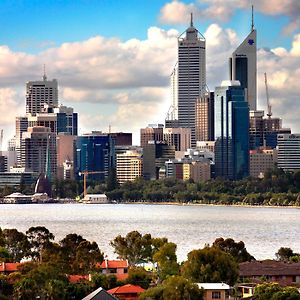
(85, 174)
(269, 114)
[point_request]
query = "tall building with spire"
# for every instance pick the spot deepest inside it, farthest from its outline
(188, 78)
(39, 93)
(243, 66)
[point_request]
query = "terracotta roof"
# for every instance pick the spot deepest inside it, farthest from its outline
(126, 289)
(9, 267)
(269, 267)
(78, 278)
(114, 264)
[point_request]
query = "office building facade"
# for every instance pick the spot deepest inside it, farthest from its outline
(94, 153)
(288, 152)
(231, 131)
(153, 132)
(178, 137)
(39, 93)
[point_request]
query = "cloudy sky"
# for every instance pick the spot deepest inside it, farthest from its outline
(113, 58)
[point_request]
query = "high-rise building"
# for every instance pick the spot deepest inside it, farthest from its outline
(231, 131)
(204, 118)
(191, 74)
(121, 138)
(39, 93)
(288, 152)
(95, 152)
(155, 154)
(21, 126)
(154, 132)
(243, 67)
(178, 137)
(129, 166)
(262, 160)
(38, 151)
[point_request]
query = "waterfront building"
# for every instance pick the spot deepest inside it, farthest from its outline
(231, 131)
(178, 137)
(16, 179)
(243, 66)
(153, 132)
(95, 152)
(39, 93)
(262, 160)
(38, 151)
(288, 152)
(129, 166)
(204, 118)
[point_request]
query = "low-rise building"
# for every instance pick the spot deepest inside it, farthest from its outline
(119, 268)
(284, 273)
(7, 268)
(127, 292)
(214, 291)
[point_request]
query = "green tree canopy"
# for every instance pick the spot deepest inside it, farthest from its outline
(210, 264)
(273, 291)
(285, 254)
(236, 249)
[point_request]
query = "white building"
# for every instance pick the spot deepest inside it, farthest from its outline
(39, 93)
(288, 152)
(191, 76)
(243, 66)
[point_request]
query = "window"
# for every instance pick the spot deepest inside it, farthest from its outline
(216, 295)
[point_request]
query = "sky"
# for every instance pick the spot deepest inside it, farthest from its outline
(113, 59)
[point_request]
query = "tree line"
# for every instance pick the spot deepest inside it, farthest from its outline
(47, 264)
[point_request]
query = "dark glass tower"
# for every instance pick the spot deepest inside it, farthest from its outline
(231, 131)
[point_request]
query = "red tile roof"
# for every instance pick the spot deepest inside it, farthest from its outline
(9, 267)
(126, 289)
(114, 264)
(78, 278)
(269, 267)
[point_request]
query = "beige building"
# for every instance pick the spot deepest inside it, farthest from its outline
(178, 137)
(262, 160)
(200, 171)
(65, 155)
(154, 132)
(129, 166)
(215, 291)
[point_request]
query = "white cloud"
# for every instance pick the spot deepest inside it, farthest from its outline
(177, 12)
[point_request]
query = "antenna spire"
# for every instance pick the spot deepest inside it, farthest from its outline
(192, 20)
(44, 76)
(252, 20)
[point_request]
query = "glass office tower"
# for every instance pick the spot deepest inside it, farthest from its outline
(231, 131)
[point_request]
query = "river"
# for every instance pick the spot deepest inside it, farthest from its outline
(263, 229)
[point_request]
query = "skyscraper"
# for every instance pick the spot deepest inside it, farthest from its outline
(231, 131)
(39, 93)
(191, 80)
(242, 66)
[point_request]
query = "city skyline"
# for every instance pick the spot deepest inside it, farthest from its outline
(131, 70)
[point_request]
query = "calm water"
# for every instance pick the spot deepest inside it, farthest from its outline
(264, 230)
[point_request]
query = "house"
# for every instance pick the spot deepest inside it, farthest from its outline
(246, 290)
(119, 268)
(126, 292)
(7, 268)
(284, 273)
(79, 278)
(99, 294)
(215, 291)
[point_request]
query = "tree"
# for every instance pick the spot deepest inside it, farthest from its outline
(273, 291)
(26, 289)
(136, 247)
(88, 255)
(16, 244)
(55, 289)
(174, 288)
(285, 254)
(4, 255)
(39, 237)
(210, 265)
(112, 181)
(139, 276)
(236, 249)
(166, 259)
